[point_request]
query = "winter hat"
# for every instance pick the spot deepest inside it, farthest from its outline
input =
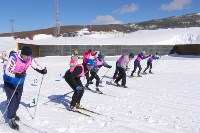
(131, 55)
(76, 52)
(26, 50)
(90, 62)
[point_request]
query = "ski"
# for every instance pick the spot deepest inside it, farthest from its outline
(79, 112)
(82, 108)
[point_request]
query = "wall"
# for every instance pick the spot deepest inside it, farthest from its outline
(190, 49)
(109, 50)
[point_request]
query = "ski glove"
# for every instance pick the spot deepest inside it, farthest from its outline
(78, 89)
(20, 75)
(43, 71)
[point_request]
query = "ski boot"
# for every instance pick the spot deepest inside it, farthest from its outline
(72, 108)
(117, 84)
(144, 72)
(98, 91)
(13, 124)
(17, 118)
(124, 86)
(139, 75)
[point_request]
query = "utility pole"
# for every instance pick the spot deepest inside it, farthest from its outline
(12, 26)
(57, 21)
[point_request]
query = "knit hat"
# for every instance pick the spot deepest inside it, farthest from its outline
(131, 55)
(26, 50)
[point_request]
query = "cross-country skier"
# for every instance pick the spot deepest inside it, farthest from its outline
(14, 77)
(141, 56)
(88, 55)
(74, 59)
(122, 65)
(149, 62)
(99, 62)
(72, 77)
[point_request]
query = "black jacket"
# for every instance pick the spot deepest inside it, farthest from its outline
(73, 77)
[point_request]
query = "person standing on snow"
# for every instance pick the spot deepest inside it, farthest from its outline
(137, 61)
(98, 63)
(149, 62)
(14, 77)
(72, 77)
(117, 68)
(74, 59)
(122, 65)
(88, 55)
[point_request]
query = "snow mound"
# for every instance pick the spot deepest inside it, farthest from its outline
(42, 36)
(183, 39)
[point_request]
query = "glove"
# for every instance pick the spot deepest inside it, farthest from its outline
(20, 75)
(78, 89)
(43, 71)
(109, 66)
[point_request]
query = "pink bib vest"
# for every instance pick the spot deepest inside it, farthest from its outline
(21, 66)
(72, 69)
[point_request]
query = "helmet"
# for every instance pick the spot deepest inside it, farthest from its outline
(90, 62)
(143, 52)
(131, 55)
(101, 55)
(76, 52)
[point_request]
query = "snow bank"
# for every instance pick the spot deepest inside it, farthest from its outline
(42, 36)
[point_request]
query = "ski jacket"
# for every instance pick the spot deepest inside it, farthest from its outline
(153, 57)
(140, 57)
(16, 65)
(74, 60)
(123, 61)
(87, 56)
(98, 64)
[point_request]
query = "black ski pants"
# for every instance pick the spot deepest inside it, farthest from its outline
(116, 72)
(94, 75)
(76, 98)
(135, 67)
(121, 75)
(15, 101)
(149, 64)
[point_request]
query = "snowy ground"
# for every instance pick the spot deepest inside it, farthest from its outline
(167, 101)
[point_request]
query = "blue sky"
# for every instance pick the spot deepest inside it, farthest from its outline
(40, 14)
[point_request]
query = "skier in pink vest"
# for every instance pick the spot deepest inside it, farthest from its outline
(14, 77)
(74, 59)
(72, 77)
(121, 66)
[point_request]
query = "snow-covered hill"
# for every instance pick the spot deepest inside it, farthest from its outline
(141, 37)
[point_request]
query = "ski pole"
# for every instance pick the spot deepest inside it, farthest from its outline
(105, 74)
(38, 96)
(10, 101)
(58, 97)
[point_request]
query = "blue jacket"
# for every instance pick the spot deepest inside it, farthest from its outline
(98, 65)
(153, 57)
(140, 57)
